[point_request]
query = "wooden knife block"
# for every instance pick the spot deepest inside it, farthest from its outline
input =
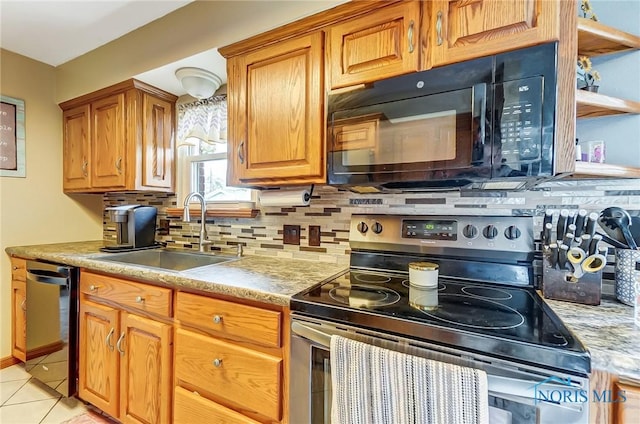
(556, 285)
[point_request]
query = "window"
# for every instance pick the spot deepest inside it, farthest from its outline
(202, 153)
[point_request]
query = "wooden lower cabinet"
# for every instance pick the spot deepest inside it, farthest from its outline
(125, 359)
(19, 309)
(229, 362)
(627, 412)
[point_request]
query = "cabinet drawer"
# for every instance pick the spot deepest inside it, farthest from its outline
(237, 321)
(190, 408)
(18, 269)
(245, 377)
(145, 297)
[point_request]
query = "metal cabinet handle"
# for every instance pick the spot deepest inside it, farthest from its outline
(14, 268)
(240, 151)
(93, 288)
(139, 299)
(109, 338)
(217, 319)
(119, 344)
(84, 167)
(439, 28)
(217, 363)
(23, 305)
(119, 165)
(410, 36)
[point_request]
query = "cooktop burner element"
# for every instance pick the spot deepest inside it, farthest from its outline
(467, 311)
(485, 300)
(361, 296)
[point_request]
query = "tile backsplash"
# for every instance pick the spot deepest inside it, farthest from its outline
(331, 209)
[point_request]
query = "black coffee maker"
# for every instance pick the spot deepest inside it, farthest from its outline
(135, 227)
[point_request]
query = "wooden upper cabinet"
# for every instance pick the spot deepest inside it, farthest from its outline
(76, 129)
(378, 45)
(157, 142)
(276, 104)
(465, 29)
(119, 138)
(108, 136)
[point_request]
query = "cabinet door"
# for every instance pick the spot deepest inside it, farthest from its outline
(146, 370)
(76, 150)
(157, 143)
(19, 314)
(108, 160)
(378, 45)
(99, 362)
(277, 114)
(465, 29)
(629, 410)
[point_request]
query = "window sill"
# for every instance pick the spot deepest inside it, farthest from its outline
(216, 213)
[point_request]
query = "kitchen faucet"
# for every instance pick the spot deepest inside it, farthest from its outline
(203, 212)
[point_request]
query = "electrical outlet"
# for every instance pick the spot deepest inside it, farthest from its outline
(291, 234)
(163, 227)
(314, 235)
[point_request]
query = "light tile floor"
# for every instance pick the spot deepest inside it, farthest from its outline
(24, 400)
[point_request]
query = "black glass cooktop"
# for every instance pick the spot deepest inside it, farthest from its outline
(505, 321)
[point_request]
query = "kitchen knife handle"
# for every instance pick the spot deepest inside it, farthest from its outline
(546, 234)
(593, 245)
(553, 255)
(562, 224)
(562, 256)
(585, 242)
(580, 220)
(568, 239)
(548, 218)
(592, 220)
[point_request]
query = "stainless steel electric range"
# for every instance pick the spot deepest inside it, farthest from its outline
(485, 311)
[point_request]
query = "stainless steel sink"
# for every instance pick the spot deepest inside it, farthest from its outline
(165, 259)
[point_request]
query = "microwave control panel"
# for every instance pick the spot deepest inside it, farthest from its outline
(520, 130)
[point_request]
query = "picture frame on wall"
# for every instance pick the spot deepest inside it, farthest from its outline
(12, 137)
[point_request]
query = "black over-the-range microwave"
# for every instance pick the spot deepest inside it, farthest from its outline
(487, 123)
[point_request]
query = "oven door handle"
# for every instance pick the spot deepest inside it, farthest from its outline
(311, 334)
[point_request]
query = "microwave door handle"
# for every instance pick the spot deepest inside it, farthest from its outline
(317, 337)
(479, 108)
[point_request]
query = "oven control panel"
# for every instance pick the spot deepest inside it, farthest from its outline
(401, 232)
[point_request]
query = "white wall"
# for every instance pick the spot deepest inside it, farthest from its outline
(33, 210)
(620, 77)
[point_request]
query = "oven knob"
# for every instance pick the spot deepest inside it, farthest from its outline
(490, 232)
(470, 231)
(512, 232)
(376, 228)
(362, 227)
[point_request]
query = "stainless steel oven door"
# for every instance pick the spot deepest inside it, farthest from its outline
(511, 397)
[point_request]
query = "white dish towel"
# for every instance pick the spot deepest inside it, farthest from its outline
(372, 385)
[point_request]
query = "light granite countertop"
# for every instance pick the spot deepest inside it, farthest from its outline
(606, 330)
(260, 278)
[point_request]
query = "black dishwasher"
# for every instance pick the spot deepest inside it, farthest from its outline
(52, 325)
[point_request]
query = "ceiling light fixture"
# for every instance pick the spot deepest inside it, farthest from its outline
(199, 83)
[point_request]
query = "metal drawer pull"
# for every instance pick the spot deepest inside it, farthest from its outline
(217, 319)
(119, 344)
(217, 363)
(108, 339)
(439, 28)
(93, 288)
(14, 268)
(139, 299)
(410, 36)
(240, 155)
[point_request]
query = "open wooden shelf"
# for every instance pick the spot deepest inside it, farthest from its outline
(593, 105)
(596, 39)
(605, 170)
